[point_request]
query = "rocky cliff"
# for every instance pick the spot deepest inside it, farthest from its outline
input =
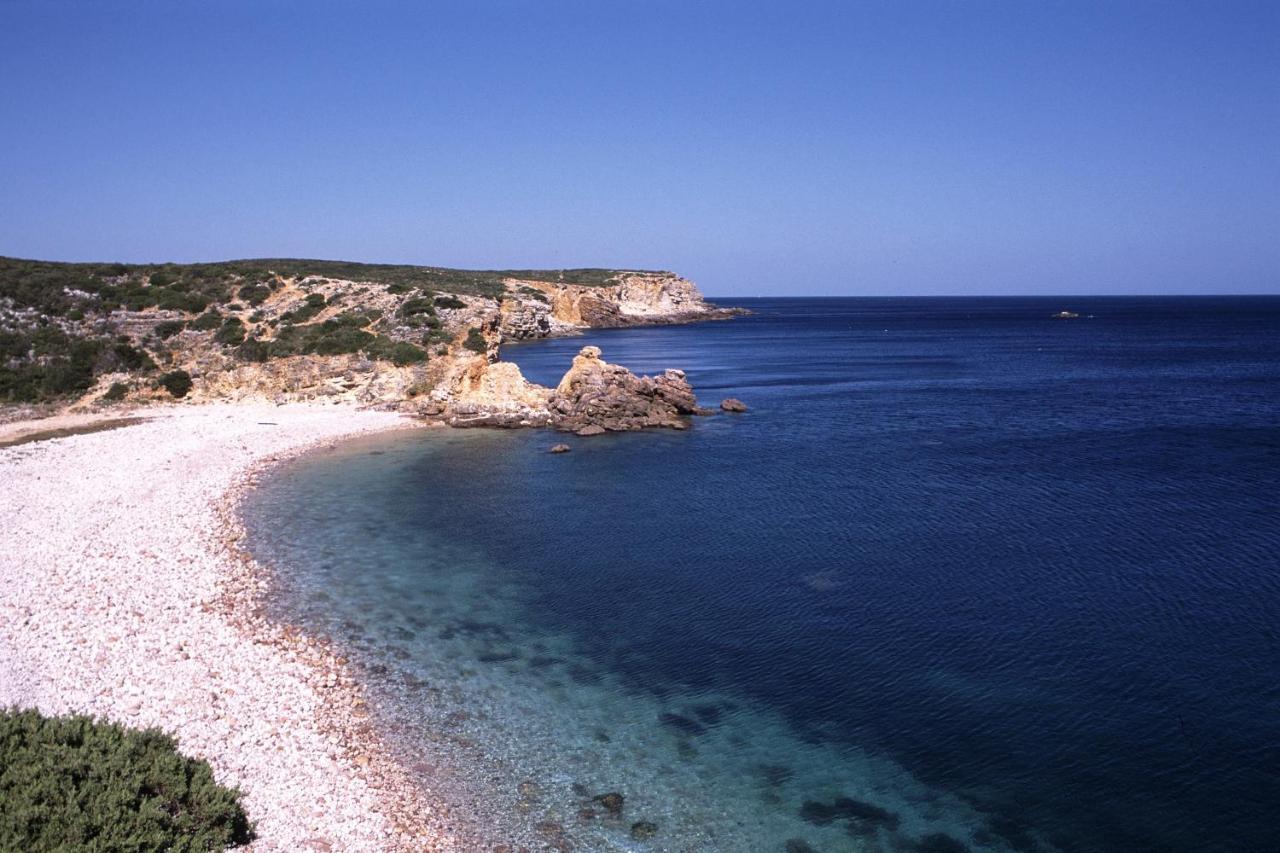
(425, 340)
(540, 309)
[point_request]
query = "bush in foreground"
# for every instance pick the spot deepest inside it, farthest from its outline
(70, 783)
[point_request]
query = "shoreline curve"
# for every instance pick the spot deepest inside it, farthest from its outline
(129, 595)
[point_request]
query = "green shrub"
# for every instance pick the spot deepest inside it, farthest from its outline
(534, 293)
(475, 341)
(176, 382)
(350, 320)
(313, 305)
(417, 311)
(231, 333)
(449, 302)
(399, 353)
(338, 340)
(436, 335)
(161, 279)
(253, 350)
(337, 336)
(175, 300)
(125, 356)
(207, 322)
(46, 364)
(342, 334)
(62, 378)
(72, 783)
(116, 392)
(169, 328)
(254, 294)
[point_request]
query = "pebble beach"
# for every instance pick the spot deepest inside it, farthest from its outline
(126, 596)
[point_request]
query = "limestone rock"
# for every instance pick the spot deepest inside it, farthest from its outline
(733, 404)
(595, 393)
(632, 298)
(497, 394)
(522, 320)
(559, 448)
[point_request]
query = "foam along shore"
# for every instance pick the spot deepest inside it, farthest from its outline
(123, 594)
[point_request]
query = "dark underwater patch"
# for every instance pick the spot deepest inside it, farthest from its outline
(682, 724)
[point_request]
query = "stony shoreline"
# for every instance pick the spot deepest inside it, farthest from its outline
(127, 595)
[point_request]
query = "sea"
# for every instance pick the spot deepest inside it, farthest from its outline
(965, 576)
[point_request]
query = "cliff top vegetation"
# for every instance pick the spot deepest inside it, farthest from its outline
(65, 325)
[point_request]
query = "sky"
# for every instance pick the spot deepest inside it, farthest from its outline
(789, 148)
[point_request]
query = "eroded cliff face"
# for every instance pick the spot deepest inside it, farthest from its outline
(542, 309)
(428, 352)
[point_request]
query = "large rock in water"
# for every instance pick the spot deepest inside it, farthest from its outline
(597, 393)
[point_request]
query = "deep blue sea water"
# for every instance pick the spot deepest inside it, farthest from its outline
(1012, 580)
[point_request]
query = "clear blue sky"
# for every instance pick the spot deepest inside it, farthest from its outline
(788, 148)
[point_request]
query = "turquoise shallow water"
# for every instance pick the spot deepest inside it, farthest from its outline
(964, 577)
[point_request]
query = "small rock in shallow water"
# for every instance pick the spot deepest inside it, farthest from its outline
(642, 830)
(592, 429)
(733, 404)
(611, 801)
(560, 448)
(798, 845)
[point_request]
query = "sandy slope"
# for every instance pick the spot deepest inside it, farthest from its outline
(115, 560)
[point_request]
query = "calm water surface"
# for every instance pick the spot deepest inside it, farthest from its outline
(964, 575)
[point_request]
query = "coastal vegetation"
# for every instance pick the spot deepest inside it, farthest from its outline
(56, 288)
(46, 362)
(176, 382)
(66, 327)
(475, 341)
(73, 783)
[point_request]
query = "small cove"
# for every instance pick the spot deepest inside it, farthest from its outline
(918, 611)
